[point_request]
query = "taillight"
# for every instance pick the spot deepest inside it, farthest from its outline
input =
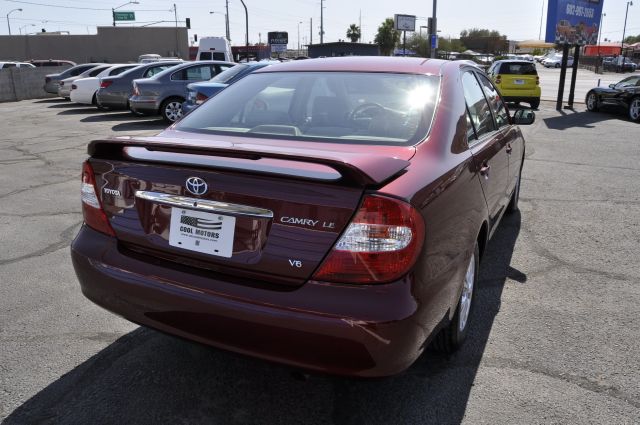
(381, 244)
(537, 80)
(92, 211)
(105, 84)
(498, 79)
(136, 92)
(61, 83)
(47, 79)
(200, 98)
(73, 87)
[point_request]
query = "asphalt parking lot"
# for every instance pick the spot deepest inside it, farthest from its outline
(555, 335)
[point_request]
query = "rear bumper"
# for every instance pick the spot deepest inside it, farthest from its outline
(144, 104)
(112, 100)
(514, 98)
(187, 107)
(341, 329)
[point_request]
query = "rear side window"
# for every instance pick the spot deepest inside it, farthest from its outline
(339, 107)
(119, 71)
(479, 109)
(155, 70)
(96, 71)
(9, 65)
(518, 68)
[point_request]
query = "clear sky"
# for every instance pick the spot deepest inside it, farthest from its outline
(518, 19)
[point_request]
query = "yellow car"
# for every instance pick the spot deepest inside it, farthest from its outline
(517, 81)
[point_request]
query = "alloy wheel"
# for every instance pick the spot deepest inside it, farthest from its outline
(634, 109)
(467, 293)
(591, 101)
(173, 111)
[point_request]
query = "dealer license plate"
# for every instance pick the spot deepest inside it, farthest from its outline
(518, 81)
(200, 231)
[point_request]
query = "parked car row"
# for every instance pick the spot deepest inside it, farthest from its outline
(623, 95)
(154, 88)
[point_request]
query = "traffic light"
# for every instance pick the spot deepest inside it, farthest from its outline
(188, 22)
(430, 25)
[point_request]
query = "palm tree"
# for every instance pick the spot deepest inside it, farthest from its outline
(353, 33)
(387, 37)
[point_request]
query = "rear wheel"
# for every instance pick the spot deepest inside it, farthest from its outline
(171, 109)
(557, 65)
(451, 338)
(534, 104)
(634, 109)
(592, 102)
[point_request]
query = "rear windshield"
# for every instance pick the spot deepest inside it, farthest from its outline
(518, 68)
(341, 107)
(225, 76)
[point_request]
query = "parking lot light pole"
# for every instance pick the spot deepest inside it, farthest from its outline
(11, 11)
(25, 26)
(599, 63)
(113, 10)
(246, 39)
(624, 30)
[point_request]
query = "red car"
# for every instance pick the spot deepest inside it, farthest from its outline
(329, 214)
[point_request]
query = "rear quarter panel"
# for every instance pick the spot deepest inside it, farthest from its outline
(443, 184)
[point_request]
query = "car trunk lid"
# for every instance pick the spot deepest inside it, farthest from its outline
(270, 212)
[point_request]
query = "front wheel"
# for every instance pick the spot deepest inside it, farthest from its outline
(592, 102)
(171, 109)
(453, 335)
(557, 65)
(634, 109)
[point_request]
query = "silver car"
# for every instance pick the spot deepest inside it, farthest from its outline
(52, 81)
(164, 93)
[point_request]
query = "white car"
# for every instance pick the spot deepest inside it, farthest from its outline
(83, 90)
(6, 65)
(556, 61)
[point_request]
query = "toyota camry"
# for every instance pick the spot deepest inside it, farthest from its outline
(328, 214)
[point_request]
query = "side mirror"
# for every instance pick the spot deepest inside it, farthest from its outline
(612, 86)
(524, 117)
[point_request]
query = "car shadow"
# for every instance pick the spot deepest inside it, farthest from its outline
(52, 100)
(143, 124)
(569, 118)
(148, 377)
(68, 104)
(83, 109)
(110, 116)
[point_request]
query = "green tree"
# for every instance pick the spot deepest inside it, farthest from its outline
(632, 39)
(353, 33)
(387, 37)
(479, 32)
(450, 45)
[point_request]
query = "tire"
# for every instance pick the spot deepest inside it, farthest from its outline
(634, 109)
(592, 102)
(515, 196)
(453, 335)
(557, 65)
(534, 104)
(171, 109)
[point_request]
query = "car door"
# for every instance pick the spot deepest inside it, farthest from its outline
(488, 146)
(514, 142)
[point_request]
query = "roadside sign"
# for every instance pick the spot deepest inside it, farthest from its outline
(124, 16)
(573, 22)
(404, 22)
(278, 48)
(434, 41)
(278, 37)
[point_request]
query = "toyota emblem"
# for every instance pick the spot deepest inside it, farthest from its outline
(196, 185)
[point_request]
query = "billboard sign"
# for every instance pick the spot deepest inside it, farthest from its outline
(278, 37)
(405, 22)
(574, 22)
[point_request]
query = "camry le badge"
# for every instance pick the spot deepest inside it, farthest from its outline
(196, 185)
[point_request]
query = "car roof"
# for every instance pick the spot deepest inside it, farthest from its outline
(514, 61)
(361, 64)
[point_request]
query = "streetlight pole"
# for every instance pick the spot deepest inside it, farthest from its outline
(299, 37)
(17, 10)
(226, 21)
(434, 30)
(624, 30)
(246, 40)
(113, 10)
(25, 26)
(599, 37)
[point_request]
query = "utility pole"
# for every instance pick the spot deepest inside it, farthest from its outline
(246, 41)
(360, 26)
(226, 19)
(434, 29)
(624, 30)
(321, 21)
(310, 30)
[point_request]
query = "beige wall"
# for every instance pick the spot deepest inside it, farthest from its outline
(111, 44)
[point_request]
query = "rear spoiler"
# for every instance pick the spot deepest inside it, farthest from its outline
(361, 168)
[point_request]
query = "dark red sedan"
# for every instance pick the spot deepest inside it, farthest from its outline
(329, 214)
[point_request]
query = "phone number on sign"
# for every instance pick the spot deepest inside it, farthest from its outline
(580, 11)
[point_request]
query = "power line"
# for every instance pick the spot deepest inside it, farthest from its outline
(79, 7)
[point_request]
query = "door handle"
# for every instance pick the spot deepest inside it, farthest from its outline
(509, 149)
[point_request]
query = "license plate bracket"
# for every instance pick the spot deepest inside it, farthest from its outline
(205, 232)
